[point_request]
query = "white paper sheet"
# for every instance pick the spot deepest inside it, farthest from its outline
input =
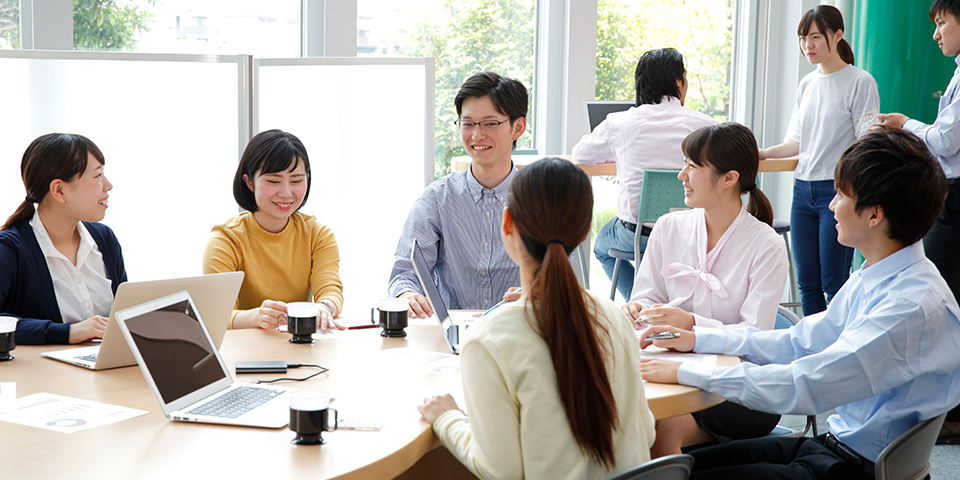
(65, 414)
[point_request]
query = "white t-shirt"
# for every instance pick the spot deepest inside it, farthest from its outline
(832, 111)
(83, 290)
(517, 426)
(747, 270)
(641, 138)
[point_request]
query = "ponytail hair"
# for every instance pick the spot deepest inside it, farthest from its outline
(828, 19)
(551, 203)
(54, 156)
(731, 146)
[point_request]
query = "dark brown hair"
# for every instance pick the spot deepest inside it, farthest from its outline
(54, 156)
(731, 146)
(270, 151)
(551, 203)
(945, 6)
(892, 168)
(828, 19)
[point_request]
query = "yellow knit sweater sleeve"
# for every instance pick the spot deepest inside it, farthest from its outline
(301, 263)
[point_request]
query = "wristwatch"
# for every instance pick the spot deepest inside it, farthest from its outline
(330, 305)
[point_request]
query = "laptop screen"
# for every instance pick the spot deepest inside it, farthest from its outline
(597, 110)
(429, 286)
(450, 331)
(175, 350)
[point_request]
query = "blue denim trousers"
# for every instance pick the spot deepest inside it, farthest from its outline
(823, 265)
(615, 235)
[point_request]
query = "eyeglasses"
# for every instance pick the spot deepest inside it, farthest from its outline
(487, 125)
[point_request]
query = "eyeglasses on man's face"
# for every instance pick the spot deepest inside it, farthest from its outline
(487, 125)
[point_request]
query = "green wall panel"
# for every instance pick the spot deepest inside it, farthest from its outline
(893, 40)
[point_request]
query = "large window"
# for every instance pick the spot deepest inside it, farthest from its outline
(9, 24)
(258, 28)
(702, 30)
(466, 37)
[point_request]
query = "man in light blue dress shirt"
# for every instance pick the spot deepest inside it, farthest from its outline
(883, 353)
(456, 220)
(943, 140)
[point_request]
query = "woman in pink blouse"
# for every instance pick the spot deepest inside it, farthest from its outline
(720, 263)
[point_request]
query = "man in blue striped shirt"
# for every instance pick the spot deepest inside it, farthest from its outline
(882, 354)
(456, 220)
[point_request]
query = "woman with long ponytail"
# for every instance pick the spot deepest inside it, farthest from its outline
(59, 268)
(552, 380)
(836, 104)
(721, 264)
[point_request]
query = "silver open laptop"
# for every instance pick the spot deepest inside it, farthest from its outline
(186, 373)
(453, 323)
(215, 294)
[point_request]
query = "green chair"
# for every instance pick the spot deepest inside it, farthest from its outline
(660, 194)
(857, 261)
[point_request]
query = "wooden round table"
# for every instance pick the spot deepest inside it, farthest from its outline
(364, 384)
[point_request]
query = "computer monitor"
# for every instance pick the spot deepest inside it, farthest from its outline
(597, 110)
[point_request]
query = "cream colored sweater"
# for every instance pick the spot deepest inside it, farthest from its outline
(516, 426)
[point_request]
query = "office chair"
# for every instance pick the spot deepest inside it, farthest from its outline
(783, 229)
(908, 457)
(671, 467)
(660, 194)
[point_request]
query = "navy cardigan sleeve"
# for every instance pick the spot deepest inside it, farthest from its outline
(26, 288)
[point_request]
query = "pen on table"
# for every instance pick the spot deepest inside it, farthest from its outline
(671, 303)
(358, 327)
(501, 302)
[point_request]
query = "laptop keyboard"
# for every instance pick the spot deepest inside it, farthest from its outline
(88, 358)
(235, 403)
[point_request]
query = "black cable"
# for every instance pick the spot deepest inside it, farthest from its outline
(296, 365)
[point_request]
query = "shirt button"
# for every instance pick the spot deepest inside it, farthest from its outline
(486, 244)
(486, 302)
(89, 308)
(79, 281)
(483, 273)
(488, 214)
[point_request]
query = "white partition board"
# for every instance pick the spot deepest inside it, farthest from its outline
(168, 130)
(367, 126)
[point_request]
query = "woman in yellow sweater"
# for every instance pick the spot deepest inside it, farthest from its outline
(287, 256)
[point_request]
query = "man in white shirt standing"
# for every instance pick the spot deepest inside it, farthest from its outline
(647, 136)
(882, 353)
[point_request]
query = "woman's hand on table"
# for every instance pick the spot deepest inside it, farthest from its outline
(684, 343)
(667, 315)
(437, 405)
(325, 318)
(269, 313)
(88, 329)
(633, 310)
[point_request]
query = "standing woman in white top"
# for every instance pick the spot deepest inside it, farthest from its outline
(59, 268)
(720, 263)
(836, 104)
(551, 381)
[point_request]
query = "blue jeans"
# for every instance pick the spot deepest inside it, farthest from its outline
(615, 235)
(823, 265)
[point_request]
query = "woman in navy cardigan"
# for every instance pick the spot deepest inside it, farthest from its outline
(59, 270)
